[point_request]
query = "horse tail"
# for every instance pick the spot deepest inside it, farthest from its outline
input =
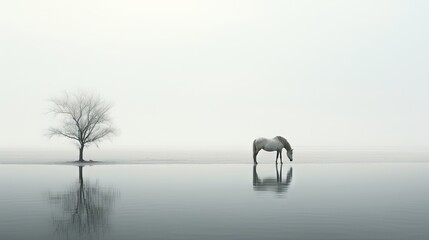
(255, 151)
(254, 147)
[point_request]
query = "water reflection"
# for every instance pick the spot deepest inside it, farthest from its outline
(272, 184)
(84, 209)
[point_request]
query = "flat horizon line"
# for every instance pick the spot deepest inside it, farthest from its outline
(205, 148)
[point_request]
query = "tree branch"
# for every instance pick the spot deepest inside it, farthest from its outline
(85, 118)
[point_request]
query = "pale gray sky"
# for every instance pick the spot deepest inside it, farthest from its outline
(190, 74)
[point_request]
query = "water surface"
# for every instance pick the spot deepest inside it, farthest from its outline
(215, 201)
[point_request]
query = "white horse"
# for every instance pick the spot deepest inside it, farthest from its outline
(270, 145)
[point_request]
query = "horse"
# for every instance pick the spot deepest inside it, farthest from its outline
(270, 145)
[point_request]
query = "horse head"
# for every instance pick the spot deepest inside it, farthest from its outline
(290, 154)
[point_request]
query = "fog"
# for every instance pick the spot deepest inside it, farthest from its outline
(217, 74)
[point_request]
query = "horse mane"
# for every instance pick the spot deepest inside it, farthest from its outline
(284, 142)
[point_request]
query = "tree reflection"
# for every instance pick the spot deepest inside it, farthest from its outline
(272, 184)
(85, 209)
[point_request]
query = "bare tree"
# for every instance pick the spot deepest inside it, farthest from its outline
(85, 119)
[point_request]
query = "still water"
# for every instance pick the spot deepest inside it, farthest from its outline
(215, 201)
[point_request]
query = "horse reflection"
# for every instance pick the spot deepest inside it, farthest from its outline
(272, 184)
(85, 209)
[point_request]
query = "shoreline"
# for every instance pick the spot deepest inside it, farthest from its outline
(167, 162)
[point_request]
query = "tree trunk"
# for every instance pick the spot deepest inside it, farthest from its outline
(81, 153)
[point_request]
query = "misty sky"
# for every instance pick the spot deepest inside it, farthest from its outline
(212, 74)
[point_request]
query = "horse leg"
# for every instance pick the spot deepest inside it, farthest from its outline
(281, 159)
(277, 157)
